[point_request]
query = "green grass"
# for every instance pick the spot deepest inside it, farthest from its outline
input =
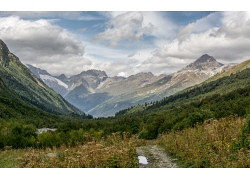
(9, 158)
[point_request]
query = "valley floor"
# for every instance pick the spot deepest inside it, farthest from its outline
(216, 143)
(111, 152)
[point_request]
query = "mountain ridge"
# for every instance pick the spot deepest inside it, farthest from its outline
(100, 95)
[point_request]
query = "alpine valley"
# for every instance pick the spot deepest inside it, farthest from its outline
(124, 90)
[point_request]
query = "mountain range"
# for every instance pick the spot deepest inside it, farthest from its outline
(95, 93)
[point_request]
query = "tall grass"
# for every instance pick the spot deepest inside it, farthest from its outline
(212, 144)
(114, 151)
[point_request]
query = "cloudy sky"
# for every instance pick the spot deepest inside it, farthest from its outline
(124, 43)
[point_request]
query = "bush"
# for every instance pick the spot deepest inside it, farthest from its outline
(17, 135)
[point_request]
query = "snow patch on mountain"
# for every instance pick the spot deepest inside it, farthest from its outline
(53, 79)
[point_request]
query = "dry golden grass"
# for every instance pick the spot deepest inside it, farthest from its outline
(111, 152)
(209, 145)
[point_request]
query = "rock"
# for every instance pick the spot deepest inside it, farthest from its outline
(51, 155)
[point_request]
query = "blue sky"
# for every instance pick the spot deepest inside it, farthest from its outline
(124, 43)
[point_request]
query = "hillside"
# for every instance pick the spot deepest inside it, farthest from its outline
(30, 89)
(218, 88)
(14, 108)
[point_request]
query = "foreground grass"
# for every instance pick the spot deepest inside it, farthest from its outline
(213, 144)
(111, 152)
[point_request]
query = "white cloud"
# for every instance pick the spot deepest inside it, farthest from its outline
(199, 26)
(41, 43)
(134, 25)
(39, 36)
(123, 74)
(127, 26)
(162, 26)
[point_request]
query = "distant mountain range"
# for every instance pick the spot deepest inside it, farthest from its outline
(97, 94)
(24, 87)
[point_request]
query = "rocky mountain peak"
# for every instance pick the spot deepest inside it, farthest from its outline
(94, 72)
(205, 58)
(63, 78)
(205, 62)
(4, 51)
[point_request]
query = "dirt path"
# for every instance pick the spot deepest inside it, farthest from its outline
(156, 157)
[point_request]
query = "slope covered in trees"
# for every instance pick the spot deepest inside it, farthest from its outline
(13, 108)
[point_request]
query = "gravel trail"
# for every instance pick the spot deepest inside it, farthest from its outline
(155, 157)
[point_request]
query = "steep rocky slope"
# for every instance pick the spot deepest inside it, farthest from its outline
(55, 83)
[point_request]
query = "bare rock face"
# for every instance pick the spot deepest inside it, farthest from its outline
(63, 78)
(90, 79)
(4, 52)
(97, 94)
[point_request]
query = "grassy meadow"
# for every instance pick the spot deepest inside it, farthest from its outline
(113, 151)
(216, 143)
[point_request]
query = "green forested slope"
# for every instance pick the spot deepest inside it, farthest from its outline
(30, 89)
(13, 108)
